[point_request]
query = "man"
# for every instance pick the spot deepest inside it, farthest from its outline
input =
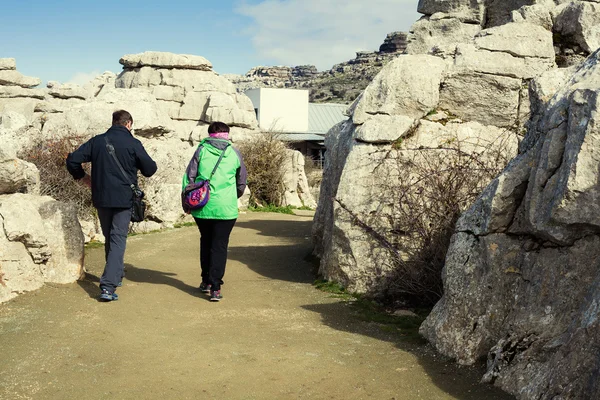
(111, 191)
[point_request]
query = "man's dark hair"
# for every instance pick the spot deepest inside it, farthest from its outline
(218, 127)
(121, 117)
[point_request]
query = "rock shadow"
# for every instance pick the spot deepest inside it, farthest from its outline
(267, 260)
(458, 381)
(144, 275)
(90, 284)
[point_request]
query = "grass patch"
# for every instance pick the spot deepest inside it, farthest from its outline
(307, 208)
(94, 244)
(273, 208)
(407, 327)
(184, 224)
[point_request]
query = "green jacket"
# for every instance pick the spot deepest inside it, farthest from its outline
(227, 184)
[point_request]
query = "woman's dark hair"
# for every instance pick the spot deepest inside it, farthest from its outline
(218, 127)
(121, 117)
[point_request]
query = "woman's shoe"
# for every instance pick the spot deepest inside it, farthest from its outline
(215, 295)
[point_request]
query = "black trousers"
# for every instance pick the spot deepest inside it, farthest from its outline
(214, 240)
(115, 226)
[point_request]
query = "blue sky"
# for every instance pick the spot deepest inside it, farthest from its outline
(66, 40)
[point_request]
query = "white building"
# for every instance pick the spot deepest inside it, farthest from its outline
(302, 124)
(280, 110)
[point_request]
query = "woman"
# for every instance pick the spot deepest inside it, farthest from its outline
(216, 219)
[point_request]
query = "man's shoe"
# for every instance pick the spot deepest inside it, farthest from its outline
(108, 296)
(215, 295)
(204, 287)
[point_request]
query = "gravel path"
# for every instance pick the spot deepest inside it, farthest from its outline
(273, 336)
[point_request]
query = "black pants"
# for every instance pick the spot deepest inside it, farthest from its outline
(214, 240)
(115, 226)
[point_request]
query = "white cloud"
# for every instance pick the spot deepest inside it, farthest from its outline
(81, 78)
(324, 32)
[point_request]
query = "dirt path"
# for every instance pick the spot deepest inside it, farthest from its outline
(274, 336)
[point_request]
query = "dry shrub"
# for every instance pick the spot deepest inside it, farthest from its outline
(432, 187)
(264, 156)
(49, 156)
(313, 171)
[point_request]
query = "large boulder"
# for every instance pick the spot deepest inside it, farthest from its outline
(15, 78)
(361, 203)
(439, 36)
(518, 39)
(8, 64)
(469, 95)
(402, 88)
(472, 11)
(40, 241)
(94, 117)
(16, 176)
(187, 89)
(165, 60)
(296, 190)
(578, 22)
(521, 280)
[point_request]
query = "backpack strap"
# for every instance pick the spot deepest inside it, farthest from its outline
(192, 171)
(218, 162)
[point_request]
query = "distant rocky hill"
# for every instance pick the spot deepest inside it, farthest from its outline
(341, 84)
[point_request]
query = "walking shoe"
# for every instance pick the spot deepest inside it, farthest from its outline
(108, 296)
(215, 295)
(204, 287)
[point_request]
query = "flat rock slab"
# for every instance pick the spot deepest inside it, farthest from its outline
(161, 59)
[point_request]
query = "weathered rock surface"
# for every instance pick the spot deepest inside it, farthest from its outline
(467, 10)
(187, 88)
(67, 91)
(359, 200)
(521, 277)
(296, 190)
(439, 36)
(402, 88)
(40, 241)
(16, 176)
(7, 63)
(165, 60)
(13, 77)
(94, 117)
(579, 22)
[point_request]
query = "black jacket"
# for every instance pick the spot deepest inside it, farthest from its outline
(109, 186)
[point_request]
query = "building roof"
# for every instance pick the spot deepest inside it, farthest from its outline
(322, 117)
(300, 137)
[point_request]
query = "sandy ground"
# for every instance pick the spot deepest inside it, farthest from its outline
(273, 336)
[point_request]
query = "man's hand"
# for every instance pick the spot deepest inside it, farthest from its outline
(86, 180)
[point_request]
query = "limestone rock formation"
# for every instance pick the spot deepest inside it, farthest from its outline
(40, 241)
(18, 93)
(395, 42)
(94, 116)
(16, 175)
(296, 190)
(521, 277)
(471, 69)
(187, 88)
(341, 84)
(165, 60)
